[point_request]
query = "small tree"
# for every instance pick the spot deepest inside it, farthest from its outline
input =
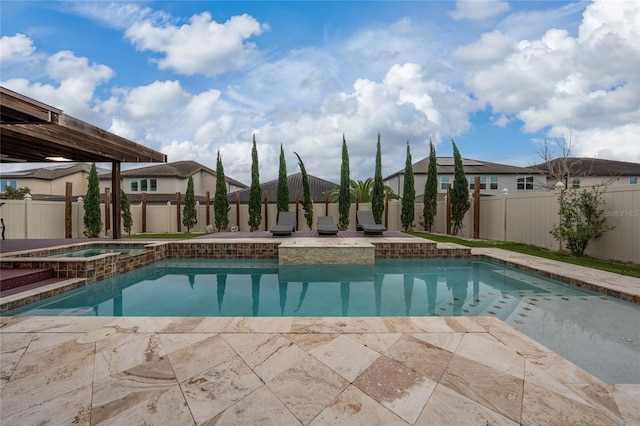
(189, 213)
(125, 209)
(307, 201)
(15, 194)
(459, 193)
(221, 199)
(255, 192)
(283, 185)
(431, 190)
(344, 197)
(92, 218)
(408, 194)
(581, 218)
(377, 192)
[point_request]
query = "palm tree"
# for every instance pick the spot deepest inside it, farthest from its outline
(364, 189)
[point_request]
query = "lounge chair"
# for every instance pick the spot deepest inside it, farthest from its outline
(286, 224)
(326, 226)
(366, 223)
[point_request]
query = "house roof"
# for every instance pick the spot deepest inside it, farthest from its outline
(57, 171)
(317, 186)
(177, 169)
(585, 166)
(471, 167)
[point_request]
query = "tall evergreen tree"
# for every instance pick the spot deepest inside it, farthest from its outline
(189, 213)
(344, 197)
(283, 185)
(408, 194)
(221, 199)
(92, 218)
(255, 192)
(307, 201)
(377, 192)
(431, 190)
(459, 192)
(125, 209)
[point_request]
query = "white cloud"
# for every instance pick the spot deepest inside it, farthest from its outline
(15, 48)
(202, 46)
(478, 10)
(589, 83)
(118, 15)
(77, 83)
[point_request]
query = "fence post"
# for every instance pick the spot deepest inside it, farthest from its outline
(67, 210)
(178, 212)
(476, 208)
(168, 216)
(27, 215)
(144, 212)
(80, 217)
(505, 193)
(448, 215)
(107, 208)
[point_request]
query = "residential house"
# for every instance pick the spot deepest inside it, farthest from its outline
(583, 171)
(318, 187)
(161, 182)
(50, 180)
(494, 177)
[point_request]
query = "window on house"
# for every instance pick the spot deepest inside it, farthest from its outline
(153, 185)
(9, 182)
(633, 180)
(525, 183)
(493, 182)
(143, 185)
(134, 185)
(575, 183)
(472, 182)
(444, 181)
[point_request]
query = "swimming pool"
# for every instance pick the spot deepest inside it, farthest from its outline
(594, 331)
(96, 250)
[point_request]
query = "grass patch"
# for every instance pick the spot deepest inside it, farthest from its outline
(182, 236)
(624, 268)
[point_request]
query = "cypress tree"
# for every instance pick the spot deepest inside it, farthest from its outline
(377, 193)
(459, 192)
(221, 199)
(125, 208)
(408, 194)
(92, 218)
(307, 202)
(189, 213)
(255, 192)
(344, 197)
(283, 185)
(431, 190)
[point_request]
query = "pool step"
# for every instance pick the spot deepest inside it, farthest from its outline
(14, 278)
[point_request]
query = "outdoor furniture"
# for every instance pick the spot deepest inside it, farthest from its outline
(326, 226)
(286, 224)
(366, 223)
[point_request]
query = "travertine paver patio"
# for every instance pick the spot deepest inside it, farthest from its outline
(316, 371)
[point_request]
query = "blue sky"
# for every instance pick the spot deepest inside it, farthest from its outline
(191, 78)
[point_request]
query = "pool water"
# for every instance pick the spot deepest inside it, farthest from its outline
(599, 333)
(96, 251)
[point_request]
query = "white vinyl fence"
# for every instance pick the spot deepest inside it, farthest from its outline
(524, 218)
